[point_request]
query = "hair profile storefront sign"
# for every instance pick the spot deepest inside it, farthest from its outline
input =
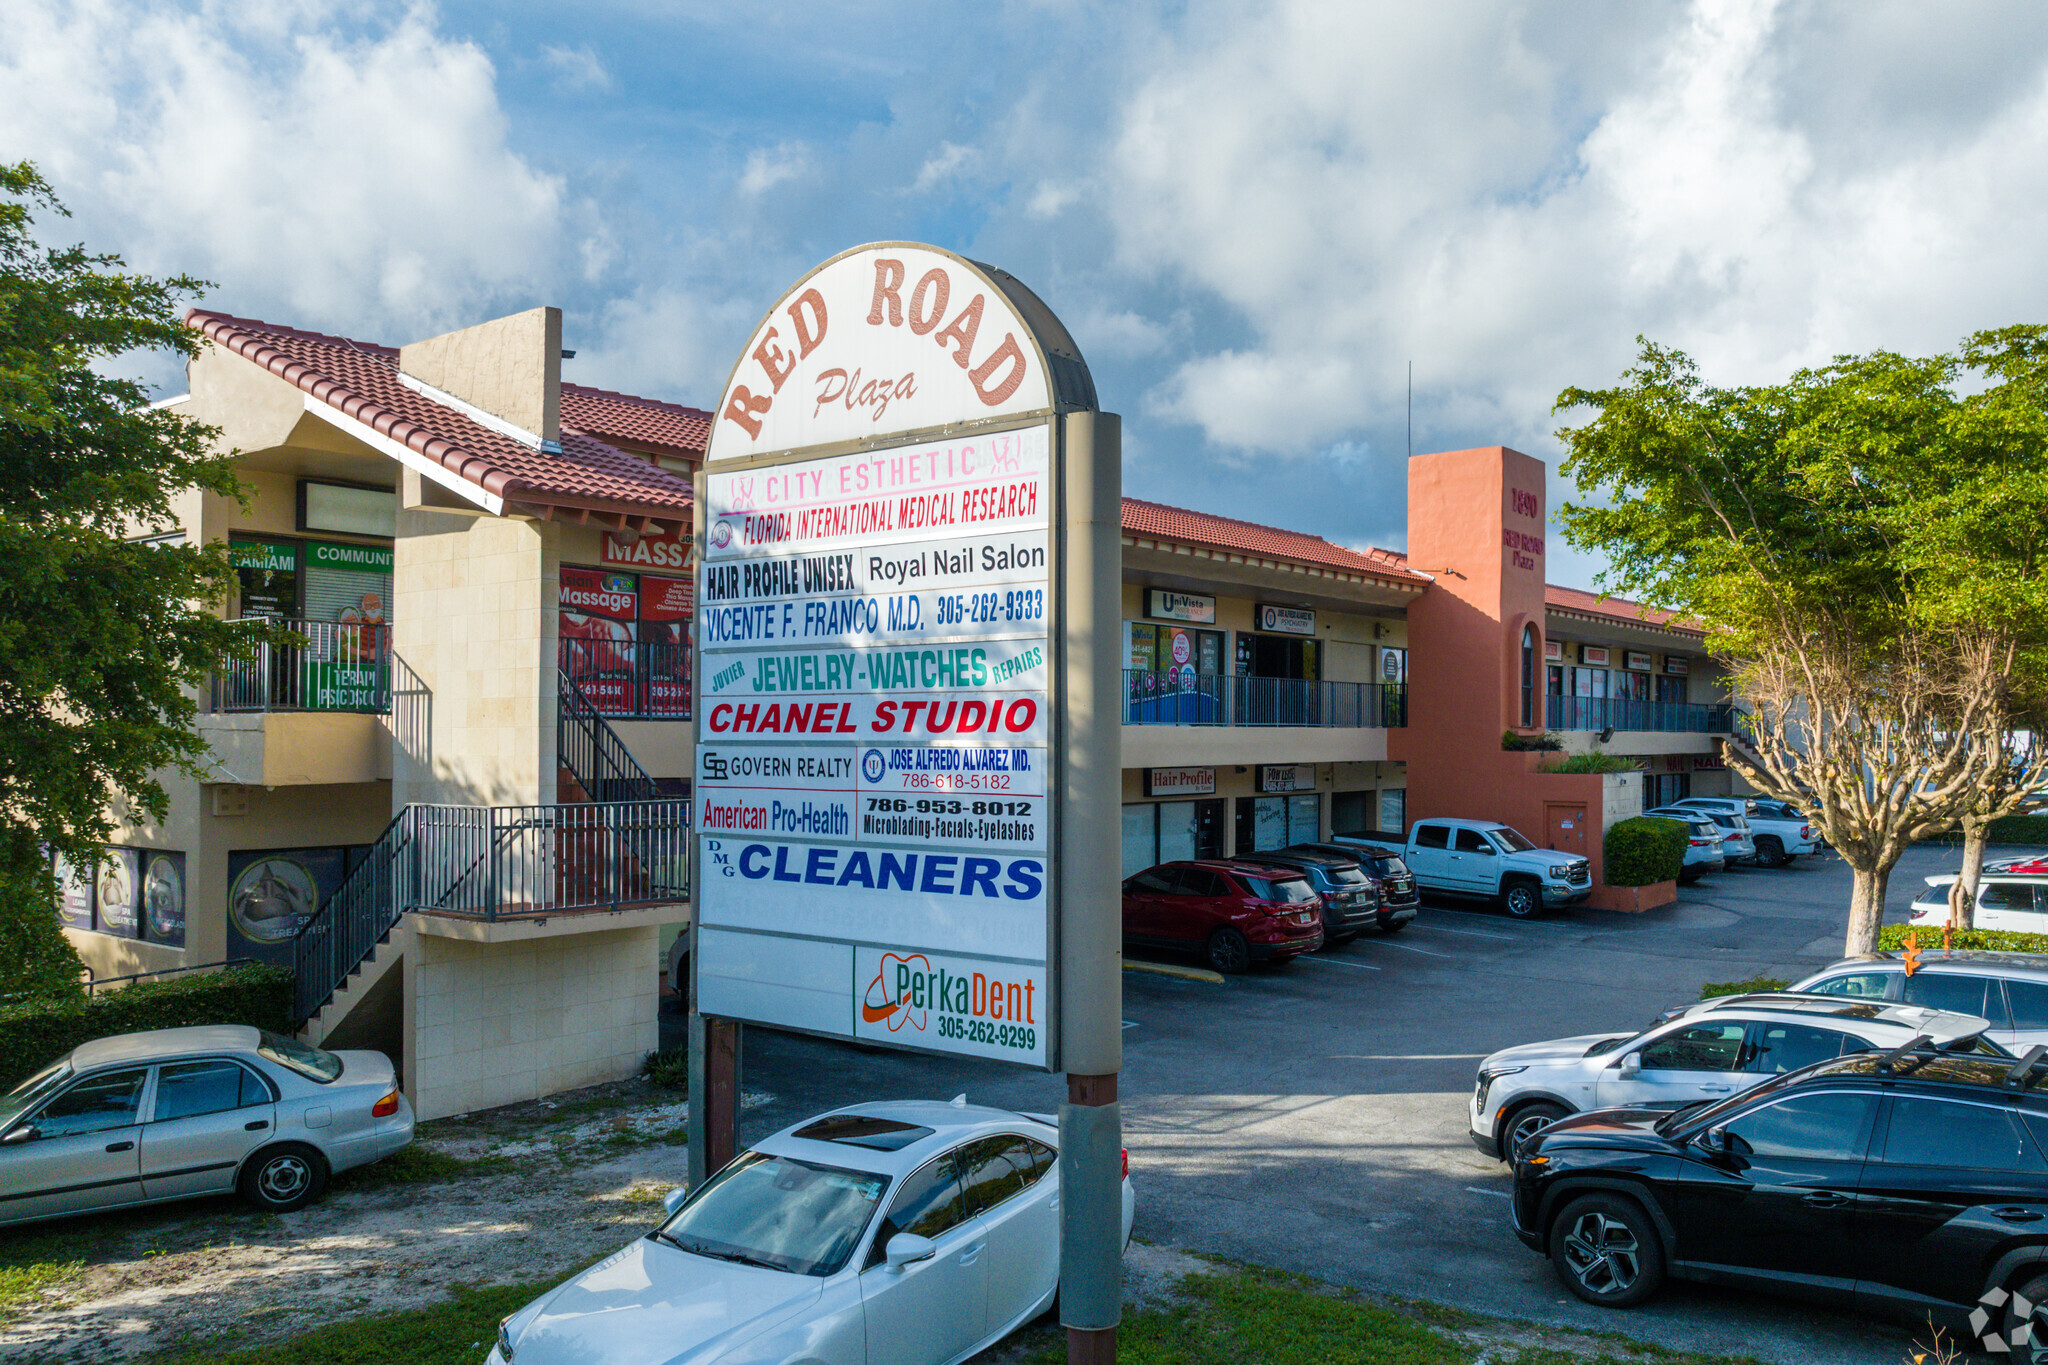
(880, 640)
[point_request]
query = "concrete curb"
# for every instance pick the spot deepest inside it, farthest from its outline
(1168, 969)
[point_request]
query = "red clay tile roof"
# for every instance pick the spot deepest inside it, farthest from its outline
(623, 417)
(361, 380)
(1249, 537)
(1615, 609)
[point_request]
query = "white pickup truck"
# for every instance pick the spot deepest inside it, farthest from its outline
(1486, 859)
(1778, 839)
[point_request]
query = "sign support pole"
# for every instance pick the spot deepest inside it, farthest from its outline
(714, 1123)
(1091, 923)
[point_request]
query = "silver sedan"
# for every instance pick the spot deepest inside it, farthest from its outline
(141, 1118)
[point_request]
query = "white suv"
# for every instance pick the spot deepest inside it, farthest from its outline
(1708, 1051)
(2012, 894)
(1775, 839)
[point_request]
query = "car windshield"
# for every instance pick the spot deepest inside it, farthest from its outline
(1385, 867)
(1346, 876)
(778, 1213)
(1510, 841)
(1292, 892)
(32, 1092)
(310, 1062)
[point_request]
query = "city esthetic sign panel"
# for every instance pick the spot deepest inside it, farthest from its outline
(876, 688)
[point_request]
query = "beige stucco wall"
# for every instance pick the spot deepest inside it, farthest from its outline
(493, 1023)
(510, 367)
(475, 619)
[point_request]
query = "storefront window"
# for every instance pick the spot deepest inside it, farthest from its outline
(625, 641)
(1528, 675)
(1270, 822)
(1170, 831)
(1394, 811)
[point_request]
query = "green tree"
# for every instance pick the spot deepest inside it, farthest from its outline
(1839, 537)
(104, 633)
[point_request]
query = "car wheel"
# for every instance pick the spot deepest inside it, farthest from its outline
(1522, 900)
(1525, 1123)
(1228, 952)
(1332, 936)
(1606, 1249)
(280, 1179)
(2025, 1325)
(1770, 852)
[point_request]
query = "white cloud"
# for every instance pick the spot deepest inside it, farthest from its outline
(952, 156)
(339, 182)
(1489, 191)
(578, 68)
(768, 167)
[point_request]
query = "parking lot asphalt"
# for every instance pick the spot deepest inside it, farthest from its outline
(1312, 1116)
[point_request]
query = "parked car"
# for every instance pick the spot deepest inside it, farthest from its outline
(1233, 913)
(1702, 845)
(141, 1118)
(2011, 894)
(1399, 901)
(1906, 1182)
(1350, 900)
(1485, 858)
(1778, 837)
(1737, 845)
(929, 1229)
(1702, 1052)
(2009, 989)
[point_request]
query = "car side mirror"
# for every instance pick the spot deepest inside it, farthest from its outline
(1631, 1065)
(673, 1200)
(1487, 850)
(906, 1248)
(26, 1133)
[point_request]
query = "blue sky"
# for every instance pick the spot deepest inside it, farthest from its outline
(1251, 215)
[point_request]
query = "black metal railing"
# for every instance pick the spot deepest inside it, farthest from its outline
(492, 863)
(1188, 698)
(593, 752)
(338, 667)
(633, 679)
(352, 921)
(1620, 713)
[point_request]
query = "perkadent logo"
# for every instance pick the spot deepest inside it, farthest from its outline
(881, 1002)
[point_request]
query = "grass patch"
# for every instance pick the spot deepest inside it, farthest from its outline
(455, 1332)
(417, 1165)
(1753, 986)
(1236, 1314)
(43, 1256)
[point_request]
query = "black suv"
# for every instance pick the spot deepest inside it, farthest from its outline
(1350, 901)
(1382, 866)
(1909, 1182)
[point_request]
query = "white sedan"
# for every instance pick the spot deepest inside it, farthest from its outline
(911, 1231)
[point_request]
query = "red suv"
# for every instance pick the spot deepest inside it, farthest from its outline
(1234, 913)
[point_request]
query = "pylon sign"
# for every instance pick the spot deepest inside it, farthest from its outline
(881, 662)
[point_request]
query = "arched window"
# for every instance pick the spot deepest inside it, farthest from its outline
(1528, 676)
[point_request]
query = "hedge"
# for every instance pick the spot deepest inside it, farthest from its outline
(1893, 937)
(1645, 850)
(2013, 829)
(34, 1034)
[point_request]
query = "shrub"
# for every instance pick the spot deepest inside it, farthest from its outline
(1756, 985)
(670, 1070)
(36, 1033)
(1593, 763)
(1893, 937)
(1645, 851)
(1546, 743)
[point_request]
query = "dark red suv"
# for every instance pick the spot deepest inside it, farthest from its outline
(1233, 913)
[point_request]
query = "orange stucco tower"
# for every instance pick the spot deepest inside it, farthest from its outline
(1475, 523)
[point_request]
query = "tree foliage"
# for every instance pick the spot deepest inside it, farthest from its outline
(102, 630)
(1864, 541)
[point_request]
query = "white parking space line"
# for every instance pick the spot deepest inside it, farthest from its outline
(1338, 962)
(1469, 933)
(1497, 1194)
(1404, 947)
